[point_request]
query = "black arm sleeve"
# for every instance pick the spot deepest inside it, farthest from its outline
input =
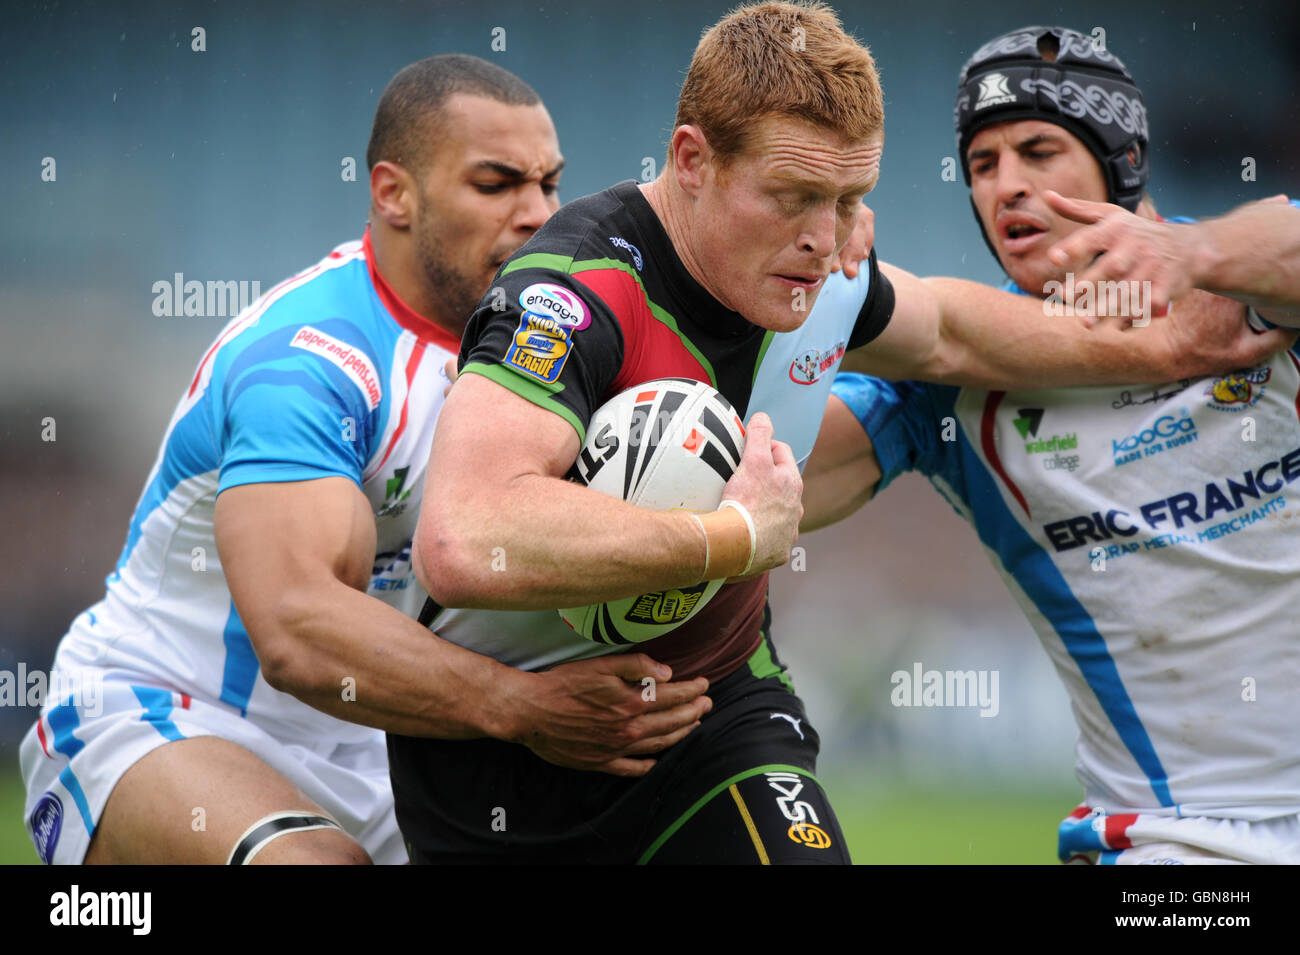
(877, 310)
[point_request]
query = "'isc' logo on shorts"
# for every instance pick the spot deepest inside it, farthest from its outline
(803, 817)
(807, 834)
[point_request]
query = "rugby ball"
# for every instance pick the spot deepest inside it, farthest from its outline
(669, 444)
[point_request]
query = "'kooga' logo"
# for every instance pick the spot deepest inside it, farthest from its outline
(103, 908)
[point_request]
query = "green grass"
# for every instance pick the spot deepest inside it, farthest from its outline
(950, 825)
(882, 825)
(15, 847)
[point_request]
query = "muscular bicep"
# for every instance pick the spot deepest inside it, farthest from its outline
(489, 440)
(281, 542)
(489, 435)
(843, 471)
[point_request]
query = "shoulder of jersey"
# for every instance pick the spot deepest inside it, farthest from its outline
(328, 309)
(338, 286)
(574, 227)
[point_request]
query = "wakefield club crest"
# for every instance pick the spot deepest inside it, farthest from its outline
(1239, 390)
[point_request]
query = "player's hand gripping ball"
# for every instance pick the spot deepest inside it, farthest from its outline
(670, 444)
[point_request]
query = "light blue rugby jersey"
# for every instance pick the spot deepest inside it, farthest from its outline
(1152, 537)
(328, 374)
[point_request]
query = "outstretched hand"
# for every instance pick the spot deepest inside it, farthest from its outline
(1116, 245)
(1212, 333)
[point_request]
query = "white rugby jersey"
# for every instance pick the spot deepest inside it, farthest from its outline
(1152, 537)
(329, 374)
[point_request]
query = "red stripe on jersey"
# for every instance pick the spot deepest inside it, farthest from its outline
(425, 329)
(233, 329)
(1116, 829)
(650, 348)
(239, 327)
(412, 365)
(1295, 361)
(1080, 812)
(186, 700)
(990, 448)
(40, 734)
(646, 396)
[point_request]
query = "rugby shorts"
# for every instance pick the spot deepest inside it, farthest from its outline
(84, 742)
(739, 789)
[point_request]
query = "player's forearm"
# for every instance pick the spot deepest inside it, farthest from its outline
(997, 341)
(843, 471)
(1253, 255)
(556, 544)
(954, 332)
(358, 659)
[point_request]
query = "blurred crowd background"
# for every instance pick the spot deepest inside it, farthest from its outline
(226, 165)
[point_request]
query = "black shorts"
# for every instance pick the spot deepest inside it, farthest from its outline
(739, 789)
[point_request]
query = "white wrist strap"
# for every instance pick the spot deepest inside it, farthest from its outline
(753, 534)
(705, 574)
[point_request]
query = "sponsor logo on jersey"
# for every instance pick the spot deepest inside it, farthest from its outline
(1167, 432)
(994, 91)
(666, 606)
(1238, 391)
(1057, 442)
(810, 365)
(619, 242)
(559, 304)
(351, 360)
(1186, 509)
(392, 570)
(395, 493)
(1028, 422)
(1061, 462)
(804, 828)
(47, 824)
(539, 348)
(1027, 426)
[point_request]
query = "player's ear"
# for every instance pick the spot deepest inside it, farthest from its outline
(691, 155)
(393, 194)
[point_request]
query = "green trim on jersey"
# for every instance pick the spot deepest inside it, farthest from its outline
(566, 265)
(762, 666)
(758, 362)
(534, 391)
(721, 787)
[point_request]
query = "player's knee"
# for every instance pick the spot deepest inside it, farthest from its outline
(314, 847)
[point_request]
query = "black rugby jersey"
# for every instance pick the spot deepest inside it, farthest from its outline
(597, 302)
